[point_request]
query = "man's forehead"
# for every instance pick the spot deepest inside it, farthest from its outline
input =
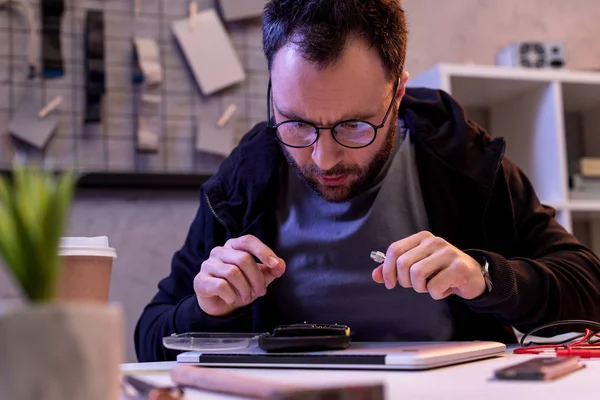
(357, 63)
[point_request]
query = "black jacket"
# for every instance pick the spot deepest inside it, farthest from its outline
(475, 198)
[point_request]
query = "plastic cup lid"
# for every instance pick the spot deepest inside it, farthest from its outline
(86, 246)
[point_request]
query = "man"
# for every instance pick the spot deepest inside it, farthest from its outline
(351, 161)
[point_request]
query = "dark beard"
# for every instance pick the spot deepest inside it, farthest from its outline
(365, 177)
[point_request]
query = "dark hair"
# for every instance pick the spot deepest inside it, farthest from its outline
(320, 28)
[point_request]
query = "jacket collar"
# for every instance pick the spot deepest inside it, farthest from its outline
(441, 125)
(247, 182)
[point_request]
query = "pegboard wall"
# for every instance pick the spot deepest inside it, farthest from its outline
(110, 146)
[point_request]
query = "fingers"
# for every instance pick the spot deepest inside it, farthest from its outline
(267, 274)
(418, 274)
(407, 263)
(245, 262)
(378, 274)
(397, 249)
(463, 277)
(425, 270)
(233, 276)
(232, 273)
(254, 246)
(209, 286)
(443, 284)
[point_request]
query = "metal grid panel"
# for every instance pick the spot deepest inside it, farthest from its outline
(110, 146)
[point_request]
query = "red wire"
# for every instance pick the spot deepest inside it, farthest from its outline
(539, 348)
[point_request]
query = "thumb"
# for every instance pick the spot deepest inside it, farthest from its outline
(377, 274)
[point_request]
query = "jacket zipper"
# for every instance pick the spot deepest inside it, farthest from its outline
(212, 210)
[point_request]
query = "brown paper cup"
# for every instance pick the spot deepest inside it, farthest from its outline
(87, 269)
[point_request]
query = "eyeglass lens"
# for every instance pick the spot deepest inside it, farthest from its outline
(348, 133)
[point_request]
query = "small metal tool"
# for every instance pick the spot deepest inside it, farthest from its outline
(378, 256)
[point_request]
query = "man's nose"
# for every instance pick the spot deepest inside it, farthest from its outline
(326, 151)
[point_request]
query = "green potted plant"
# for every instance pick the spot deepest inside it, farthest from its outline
(33, 213)
(50, 349)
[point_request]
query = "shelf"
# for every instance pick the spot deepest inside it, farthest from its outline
(523, 106)
(583, 205)
(550, 118)
(476, 92)
(581, 97)
(582, 122)
(586, 227)
(491, 72)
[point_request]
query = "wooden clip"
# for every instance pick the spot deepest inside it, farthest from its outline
(137, 8)
(226, 116)
(193, 10)
(51, 106)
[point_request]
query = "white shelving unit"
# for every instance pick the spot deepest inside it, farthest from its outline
(550, 119)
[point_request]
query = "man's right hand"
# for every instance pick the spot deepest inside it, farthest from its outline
(230, 278)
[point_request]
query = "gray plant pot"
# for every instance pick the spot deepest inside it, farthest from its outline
(61, 352)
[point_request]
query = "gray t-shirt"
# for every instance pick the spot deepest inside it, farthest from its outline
(326, 247)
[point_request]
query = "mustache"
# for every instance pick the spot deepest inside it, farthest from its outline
(337, 170)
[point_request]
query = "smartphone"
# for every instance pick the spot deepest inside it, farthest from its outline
(540, 368)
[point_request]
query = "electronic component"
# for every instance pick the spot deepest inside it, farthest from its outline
(306, 337)
(540, 368)
(532, 55)
(378, 256)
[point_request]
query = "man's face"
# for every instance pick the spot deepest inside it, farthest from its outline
(355, 87)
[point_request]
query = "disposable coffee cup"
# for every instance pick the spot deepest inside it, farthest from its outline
(87, 269)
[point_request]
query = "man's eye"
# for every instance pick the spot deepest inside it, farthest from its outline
(300, 126)
(351, 125)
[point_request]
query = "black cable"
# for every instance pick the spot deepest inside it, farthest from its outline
(571, 339)
(588, 324)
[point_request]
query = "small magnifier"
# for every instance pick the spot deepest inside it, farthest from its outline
(206, 342)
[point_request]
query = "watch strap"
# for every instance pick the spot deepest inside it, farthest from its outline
(485, 270)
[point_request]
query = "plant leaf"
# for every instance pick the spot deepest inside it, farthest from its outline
(33, 214)
(8, 245)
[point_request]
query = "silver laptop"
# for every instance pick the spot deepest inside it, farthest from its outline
(365, 355)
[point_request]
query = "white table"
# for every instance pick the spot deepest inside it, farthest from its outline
(465, 381)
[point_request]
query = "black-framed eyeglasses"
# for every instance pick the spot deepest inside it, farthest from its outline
(351, 133)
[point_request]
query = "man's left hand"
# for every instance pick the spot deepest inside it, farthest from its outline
(429, 264)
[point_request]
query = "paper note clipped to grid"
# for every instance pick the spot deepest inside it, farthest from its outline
(208, 50)
(234, 10)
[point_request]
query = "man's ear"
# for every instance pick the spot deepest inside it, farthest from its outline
(402, 85)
